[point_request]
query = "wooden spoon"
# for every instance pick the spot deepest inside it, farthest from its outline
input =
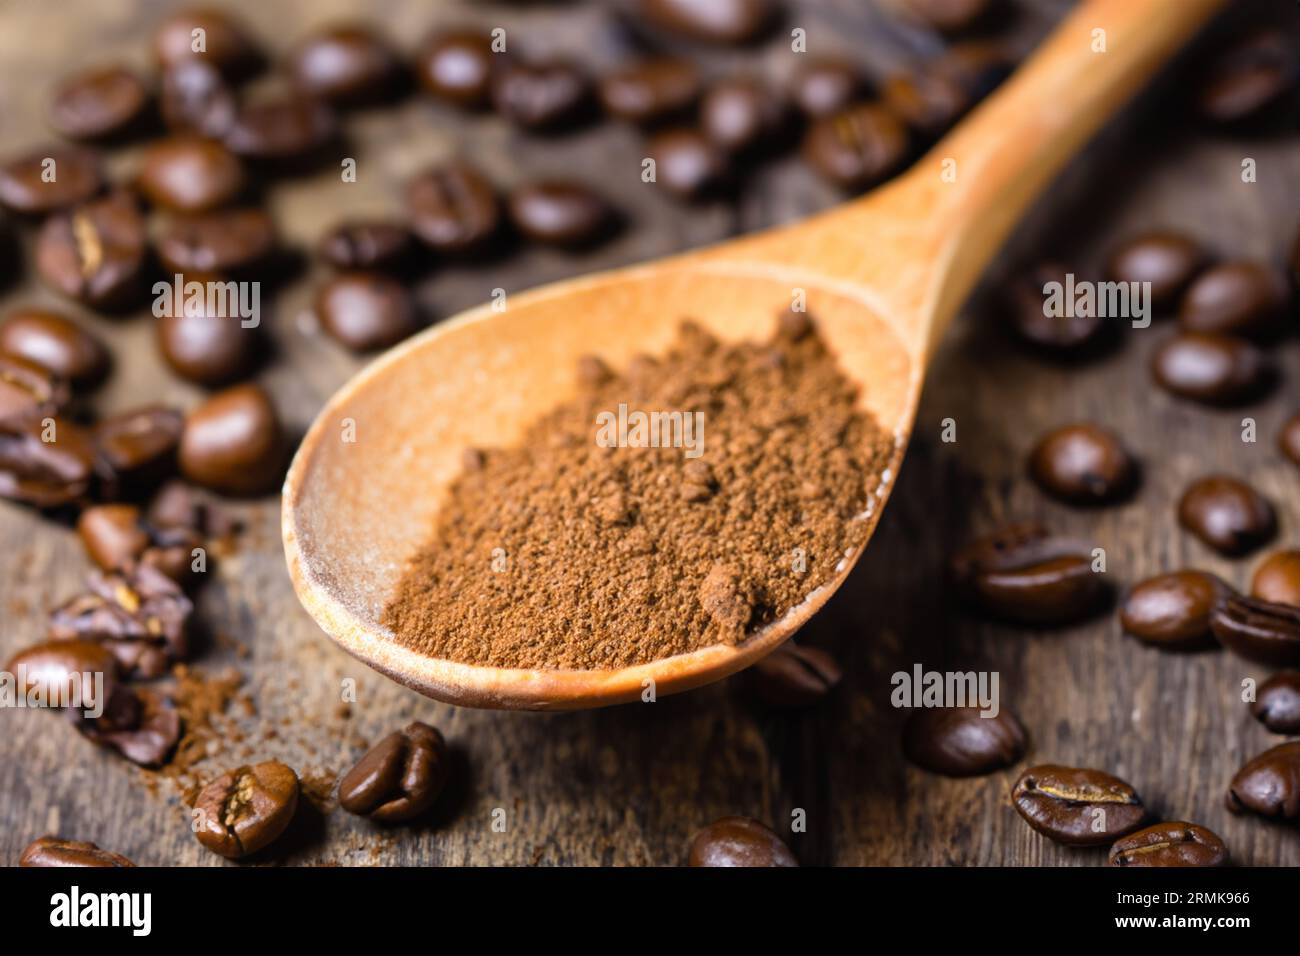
(883, 276)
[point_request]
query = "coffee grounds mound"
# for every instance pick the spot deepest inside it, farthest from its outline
(564, 553)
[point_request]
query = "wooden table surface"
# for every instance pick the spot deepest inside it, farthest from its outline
(629, 785)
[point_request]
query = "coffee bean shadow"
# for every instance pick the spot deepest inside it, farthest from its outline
(305, 833)
(454, 801)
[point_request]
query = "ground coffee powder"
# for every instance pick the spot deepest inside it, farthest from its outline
(577, 549)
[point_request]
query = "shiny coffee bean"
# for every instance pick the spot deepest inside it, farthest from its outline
(197, 99)
(1170, 844)
(190, 174)
(281, 128)
(1227, 514)
(246, 809)
(55, 343)
(1269, 784)
(541, 96)
(1236, 298)
(1258, 630)
(204, 348)
(741, 115)
(794, 677)
(366, 244)
(559, 213)
(1083, 464)
(46, 180)
(139, 445)
(950, 16)
(1059, 335)
(651, 91)
(1210, 368)
(28, 392)
(225, 241)
(95, 252)
(457, 66)
(113, 535)
(226, 45)
(687, 163)
(1277, 579)
(739, 841)
(233, 443)
(1173, 610)
(958, 742)
(399, 778)
(1021, 574)
(1249, 77)
(56, 851)
(454, 209)
(827, 85)
(728, 22)
(346, 64)
(1288, 440)
(98, 102)
(1277, 703)
(66, 671)
(934, 95)
(45, 474)
(1077, 806)
(1166, 259)
(366, 310)
(856, 147)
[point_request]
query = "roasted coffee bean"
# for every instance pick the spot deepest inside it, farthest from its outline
(1166, 259)
(857, 147)
(139, 445)
(933, 96)
(28, 392)
(1083, 464)
(687, 164)
(55, 343)
(366, 244)
(144, 728)
(1269, 784)
(1249, 77)
(177, 506)
(46, 474)
(958, 742)
(1227, 514)
(1064, 335)
(709, 21)
(457, 66)
(950, 16)
(399, 778)
(454, 209)
(204, 348)
(114, 535)
(827, 85)
(559, 213)
(99, 102)
(1277, 703)
(794, 677)
(651, 91)
(56, 851)
(1170, 844)
(226, 241)
(366, 310)
(1236, 298)
(233, 442)
(541, 96)
(226, 45)
(1077, 806)
(46, 180)
(246, 809)
(1288, 440)
(69, 673)
(1021, 574)
(1173, 610)
(95, 252)
(741, 115)
(281, 128)
(190, 174)
(739, 841)
(1210, 368)
(1277, 579)
(1258, 630)
(197, 99)
(346, 64)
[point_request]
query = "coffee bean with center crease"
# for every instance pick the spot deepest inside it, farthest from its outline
(1250, 299)
(399, 778)
(1170, 844)
(1277, 579)
(949, 16)
(727, 22)
(1277, 703)
(856, 147)
(1288, 439)
(651, 91)
(742, 115)
(206, 348)
(541, 96)
(1211, 368)
(246, 809)
(454, 209)
(50, 179)
(197, 99)
(1064, 336)
(959, 742)
(826, 85)
(1268, 784)
(366, 310)
(794, 677)
(227, 45)
(1168, 260)
(56, 851)
(1248, 77)
(366, 244)
(1077, 806)
(55, 343)
(29, 392)
(95, 252)
(139, 445)
(233, 443)
(99, 102)
(1227, 514)
(1172, 611)
(739, 841)
(687, 163)
(190, 174)
(1258, 630)
(225, 241)
(1083, 464)
(46, 473)
(559, 213)
(284, 127)
(346, 64)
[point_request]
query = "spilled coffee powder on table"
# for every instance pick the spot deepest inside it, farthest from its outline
(562, 552)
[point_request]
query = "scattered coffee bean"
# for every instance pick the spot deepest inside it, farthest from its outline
(50, 179)
(55, 343)
(1249, 77)
(1258, 630)
(1227, 514)
(687, 164)
(730, 22)
(366, 244)
(1277, 703)
(346, 64)
(1269, 784)
(95, 252)
(1170, 844)
(139, 445)
(233, 442)
(196, 99)
(1288, 440)
(651, 91)
(56, 851)
(541, 96)
(454, 209)
(226, 44)
(857, 147)
(366, 310)
(1277, 579)
(190, 174)
(246, 809)
(739, 841)
(827, 85)
(559, 213)
(1210, 368)
(114, 535)
(1236, 298)
(1173, 610)
(457, 66)
(28, 391)
(204, 348)
(1065, 335)
(45, 474)
(1077, 806)
(286, 127)
(933, 96)
(66, 672)
(741, 115)
(141, 725)
(1083, 464)
(958, 742)
(949, 16)
(399, 778)
(1166, 259)
(225, 241)
(99, 102)
(794, 677)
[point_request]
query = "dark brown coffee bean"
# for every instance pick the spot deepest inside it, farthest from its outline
(346, 64)
(281, 128)
(1077, 806)
(741, 115)
(197, 99)
(1021, 574)
(144, 727)
(366, 244)
(794, 677)
(454, 209)
(687, 164)
(55, 343)
(29, 392)
(190, 174)
(204, 348)
(95, 252)
(1269, 784)
(56, 851)
(950, 16)
(457, 66)
(541, 96)
(739, 841)
(177, 506)
(233, 442)
(1249, 77)
(98, 102)
(729, 22)
(225, 241)
(114, 535)
(933, 96)
(958, 742)
(246, 809)
(1173, 610)
(1065, 335)
(46, 474)
(651, 91)
(366, 310)
(559, 213)
(1258, 630)
(1166, 259)
(208, 35)
(1277, 579)
(857, 147)
(139, 445)
(1170, 844)
(1227, 514)
(66, 672)
(1288, 440)
(1277, 704)
(399, 778)
(827, 85)
(1210, 368)
(1083, 464)
(47, 180)
(1236, 298)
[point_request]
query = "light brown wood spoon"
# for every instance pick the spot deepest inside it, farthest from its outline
(883, 276)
